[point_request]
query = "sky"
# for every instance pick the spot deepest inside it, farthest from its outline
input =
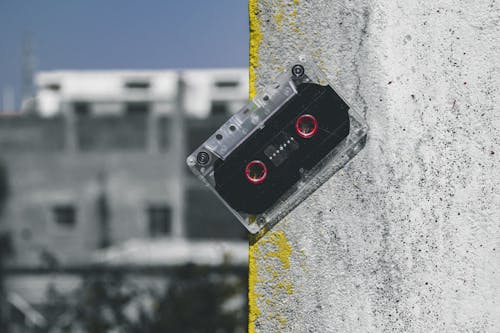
(121, 34)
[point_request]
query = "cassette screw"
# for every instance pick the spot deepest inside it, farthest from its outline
(298, 70)
(202, 158)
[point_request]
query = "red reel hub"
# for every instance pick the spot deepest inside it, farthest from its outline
(256, 172)
(306, 126)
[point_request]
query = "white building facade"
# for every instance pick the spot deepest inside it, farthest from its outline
(115, 91)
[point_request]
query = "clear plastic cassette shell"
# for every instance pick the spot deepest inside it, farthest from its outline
(252, 118)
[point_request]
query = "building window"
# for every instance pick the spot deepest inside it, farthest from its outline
(81, 108)
(219, 108)
(159, 220)
(227, 84)
(65, 215)
(137, 85)
(53, 86)
(137, 108)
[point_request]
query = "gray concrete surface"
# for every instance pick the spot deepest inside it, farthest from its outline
(406, 238)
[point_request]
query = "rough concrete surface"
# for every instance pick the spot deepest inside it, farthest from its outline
(406, 238)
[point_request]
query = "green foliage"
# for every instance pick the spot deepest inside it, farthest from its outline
(192, 300)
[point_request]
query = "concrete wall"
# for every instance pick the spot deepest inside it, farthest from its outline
(406, 238)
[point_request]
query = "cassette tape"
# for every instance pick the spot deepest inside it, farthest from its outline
(277, 150)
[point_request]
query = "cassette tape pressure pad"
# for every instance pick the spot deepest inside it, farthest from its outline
(279, 148)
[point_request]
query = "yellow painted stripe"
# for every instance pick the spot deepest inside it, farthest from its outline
(255, 40)
(253, 307)
(267, 249)
(265, 246)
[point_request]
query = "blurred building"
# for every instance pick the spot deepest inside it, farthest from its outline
(102, 161)
(207, 92)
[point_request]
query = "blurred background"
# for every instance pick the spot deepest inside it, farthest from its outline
(102, 226)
